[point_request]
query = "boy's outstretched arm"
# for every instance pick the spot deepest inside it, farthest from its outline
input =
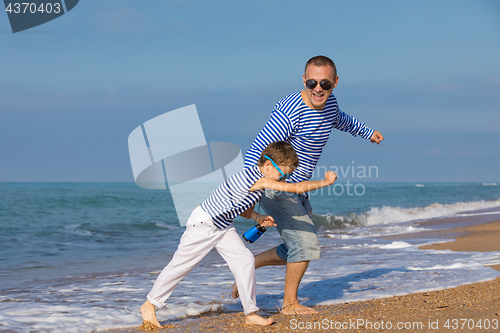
(301, 187)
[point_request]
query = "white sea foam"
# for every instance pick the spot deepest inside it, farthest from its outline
(478, 214)
(395, 214)
(372, 231)
(73, 228)
(393, 245)
(389, 215)
(452, 266)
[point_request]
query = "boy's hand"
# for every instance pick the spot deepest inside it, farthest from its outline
(266, 221)
(330, 177)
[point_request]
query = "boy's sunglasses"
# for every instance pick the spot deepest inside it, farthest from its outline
(283, 175)
(325, 84)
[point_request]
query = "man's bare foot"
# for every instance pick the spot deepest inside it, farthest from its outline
(149, 314)
(297, 308)
(254, 319)
(235, 293)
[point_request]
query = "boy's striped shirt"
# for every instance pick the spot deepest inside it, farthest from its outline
(233, 197)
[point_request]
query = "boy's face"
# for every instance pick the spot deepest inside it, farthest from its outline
(271, 172)
(317, 97)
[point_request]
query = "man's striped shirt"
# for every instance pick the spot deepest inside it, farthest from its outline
(233, 197)
(306, 129)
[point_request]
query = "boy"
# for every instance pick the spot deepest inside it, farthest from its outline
(211, 225)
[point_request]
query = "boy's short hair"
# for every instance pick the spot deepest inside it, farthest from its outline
(281, 152)
(322, 61)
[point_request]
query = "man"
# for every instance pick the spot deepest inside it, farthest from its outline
(305, 119)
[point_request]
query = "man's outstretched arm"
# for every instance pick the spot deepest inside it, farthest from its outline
(350, 124)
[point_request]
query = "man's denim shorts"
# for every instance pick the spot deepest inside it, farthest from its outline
(291, 214)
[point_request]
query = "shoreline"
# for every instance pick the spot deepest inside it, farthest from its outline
(476, 238)
(478, 303)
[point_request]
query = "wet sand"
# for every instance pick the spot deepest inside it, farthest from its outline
(468, 308)
(481, 238)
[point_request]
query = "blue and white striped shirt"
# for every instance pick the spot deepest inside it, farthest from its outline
(233, 197)
(306, 129)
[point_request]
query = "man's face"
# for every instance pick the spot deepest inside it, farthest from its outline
(317, 96)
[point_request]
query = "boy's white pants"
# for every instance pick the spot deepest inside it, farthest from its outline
(200, 237)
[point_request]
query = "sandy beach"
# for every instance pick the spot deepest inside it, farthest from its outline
(468, 308)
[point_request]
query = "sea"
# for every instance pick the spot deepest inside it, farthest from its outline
(81, 257)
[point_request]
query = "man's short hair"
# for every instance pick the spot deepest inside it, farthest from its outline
(322, 61)
(281, 152)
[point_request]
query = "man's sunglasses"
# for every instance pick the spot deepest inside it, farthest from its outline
(283, 175)
(325, 84)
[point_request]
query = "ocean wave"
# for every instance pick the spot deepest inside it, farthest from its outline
(387, 214)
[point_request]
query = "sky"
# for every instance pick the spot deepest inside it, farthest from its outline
(424, 73)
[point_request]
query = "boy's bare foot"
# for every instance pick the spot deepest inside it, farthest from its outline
(149, 314)
(297, 308)
(254, 319)
(235, 293)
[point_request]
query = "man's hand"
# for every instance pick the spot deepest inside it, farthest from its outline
(377, 137)
(266, 221)
(247, 213)
(330, 177)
